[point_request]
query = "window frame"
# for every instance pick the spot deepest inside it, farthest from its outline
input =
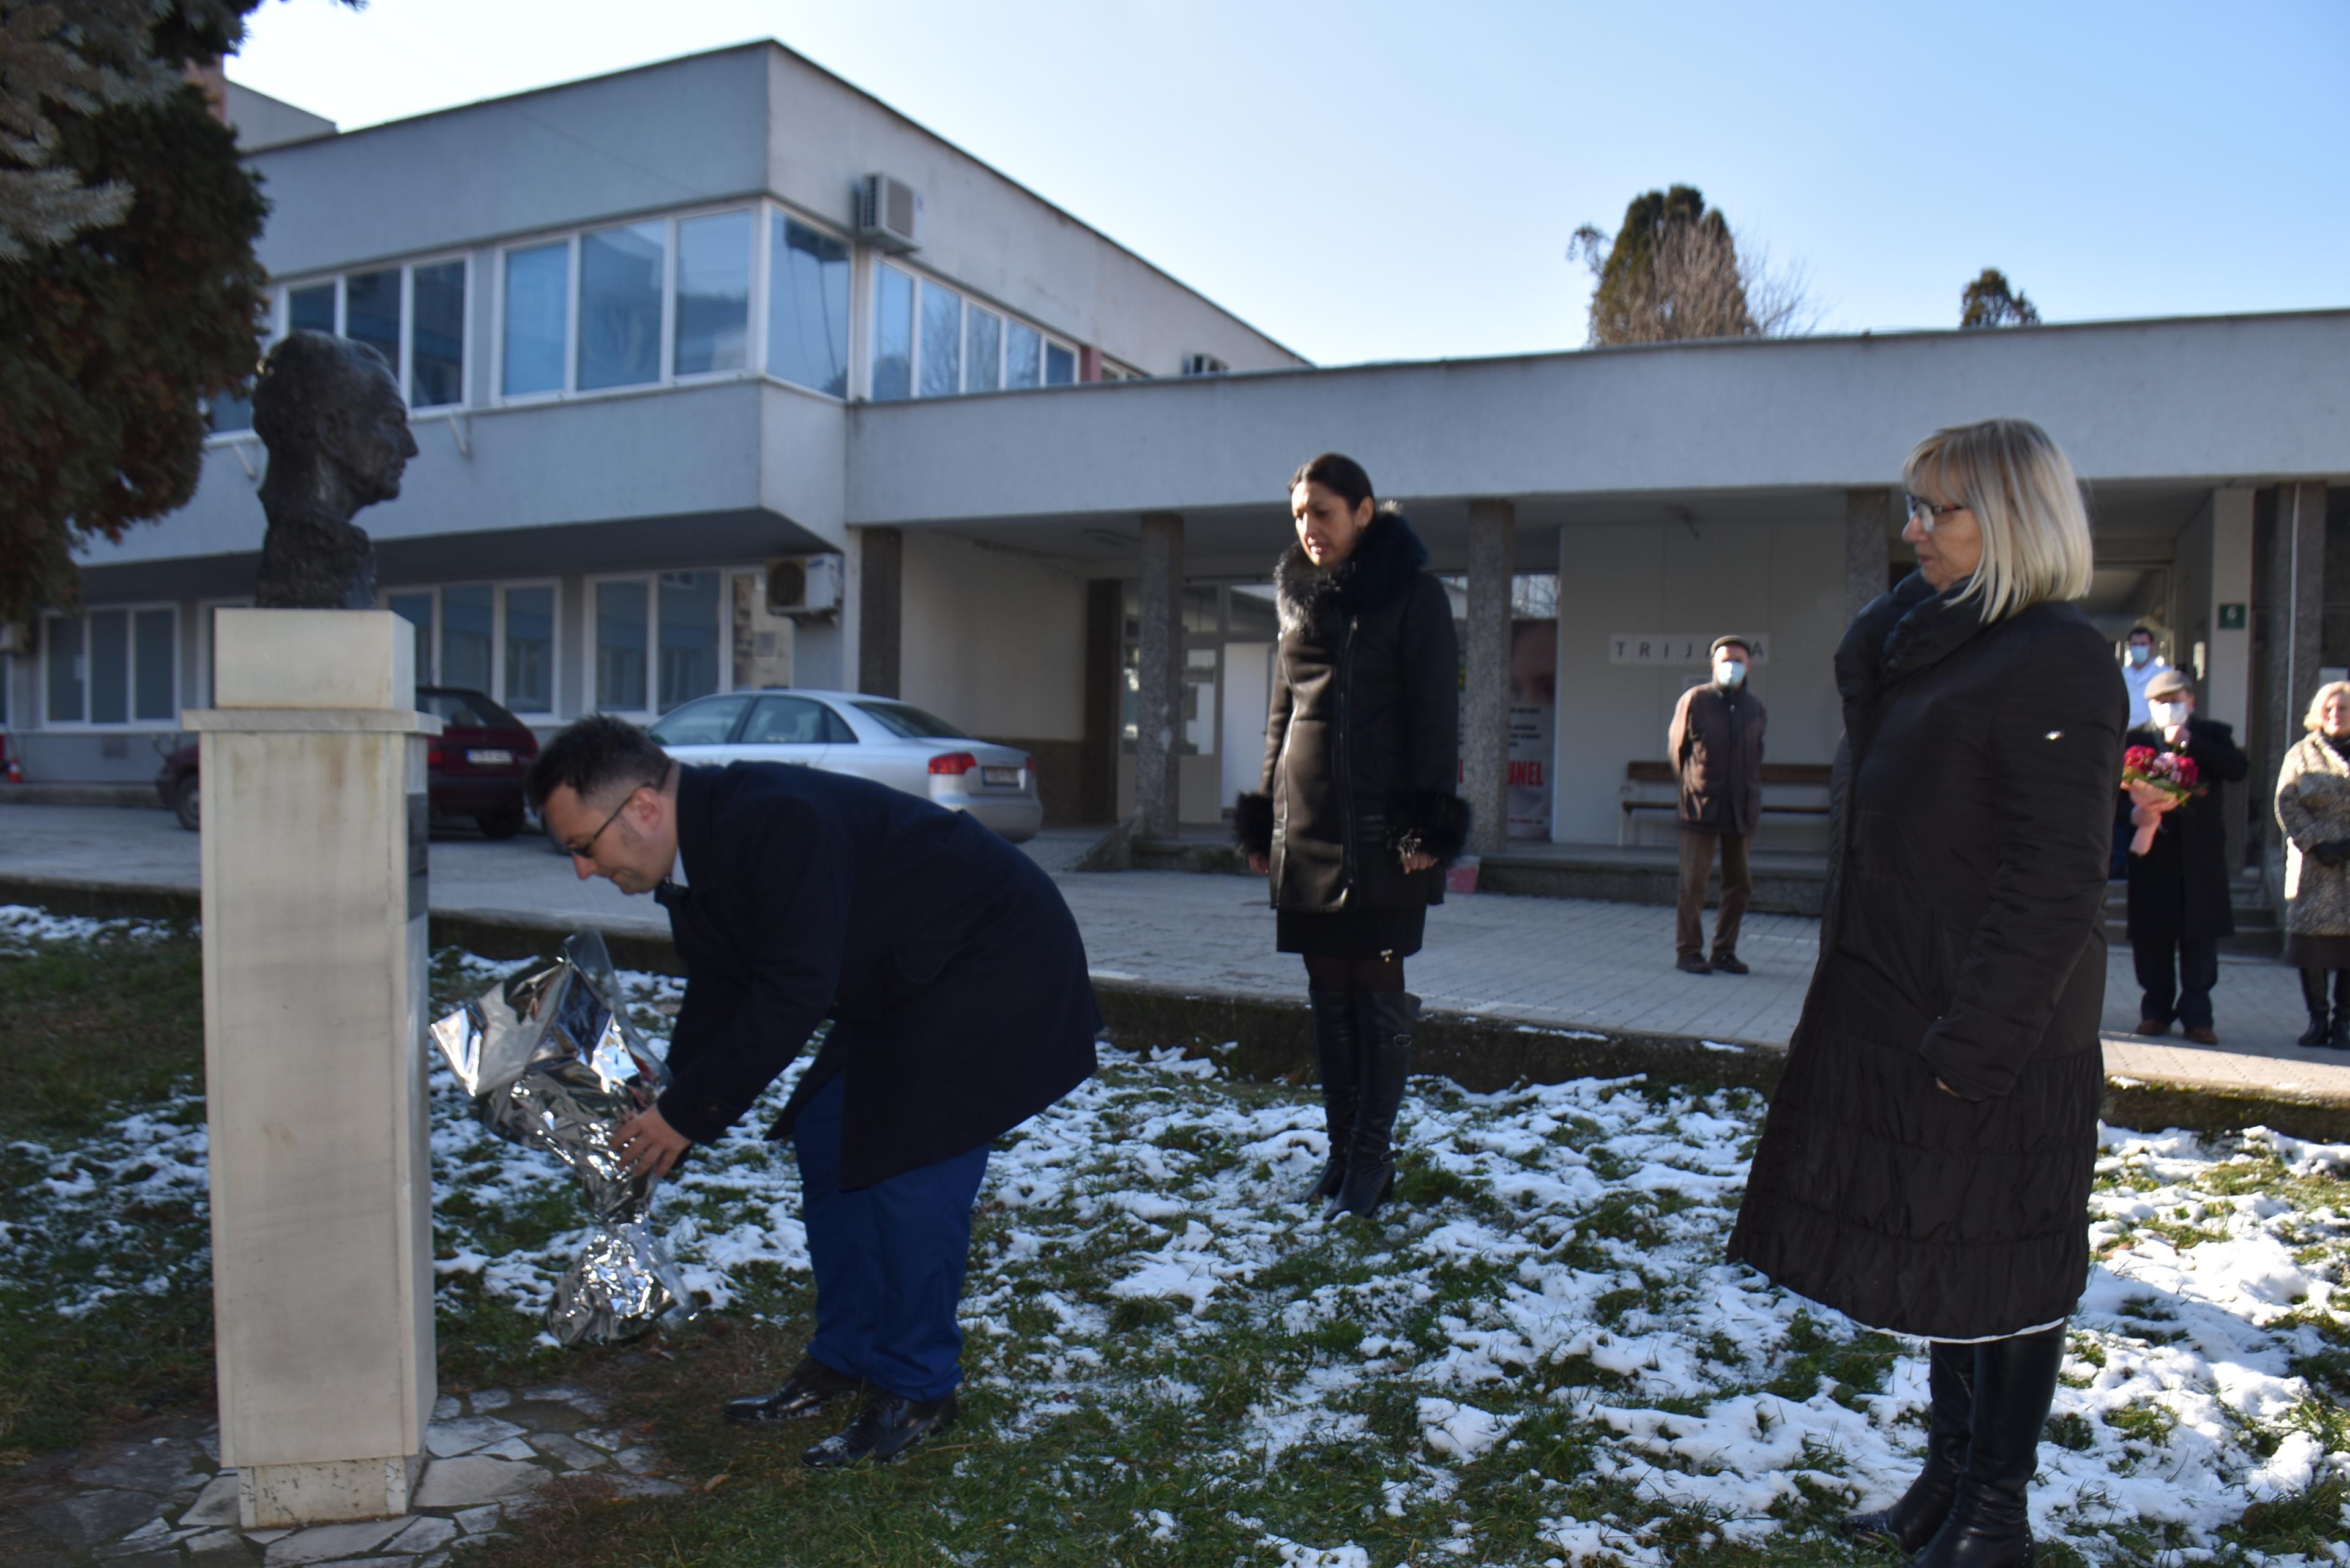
(281, 316)
(498, 588)
(130, 724)
(651, 577)
(1048, 339)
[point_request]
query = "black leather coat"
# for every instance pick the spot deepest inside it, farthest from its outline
(1963, 941)
(2178, 888)
(1363, 741)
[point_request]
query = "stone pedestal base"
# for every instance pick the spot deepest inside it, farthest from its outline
(326, 1491)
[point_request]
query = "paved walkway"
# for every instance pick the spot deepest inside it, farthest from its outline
(1554, 962)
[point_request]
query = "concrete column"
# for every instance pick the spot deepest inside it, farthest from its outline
(314, 999)
(1157, 795)
(880, 599)
(1485, 698)
(1868, 557)
(2228, 658)
(2294, 617)
(1097, 762)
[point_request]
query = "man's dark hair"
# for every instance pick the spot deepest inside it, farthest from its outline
(593, 754)
(1340, 475)
(2145, 631)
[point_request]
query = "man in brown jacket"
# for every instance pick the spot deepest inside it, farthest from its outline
(1716, 742)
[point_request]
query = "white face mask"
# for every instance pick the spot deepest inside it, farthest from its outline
(1730, 672)
(2139, 653)
(2166, 714)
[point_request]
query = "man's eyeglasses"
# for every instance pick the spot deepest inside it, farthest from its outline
(1925, 514)
(585, 848)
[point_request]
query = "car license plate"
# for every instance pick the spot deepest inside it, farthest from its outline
(999, 775)
(488, 758)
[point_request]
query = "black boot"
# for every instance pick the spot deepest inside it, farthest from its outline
(2312, 997)
(1911, 1521)
(886, 1427)
(1384, 1019)
(1988, 1525)
(1340, 1054)
(811, 1387)
(2338, 1037)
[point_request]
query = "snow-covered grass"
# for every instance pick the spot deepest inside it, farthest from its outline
(1535, 1355)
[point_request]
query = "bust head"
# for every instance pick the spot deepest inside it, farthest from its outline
(332, 407)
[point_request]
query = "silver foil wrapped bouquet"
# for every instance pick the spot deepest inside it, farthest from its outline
(553, 1063)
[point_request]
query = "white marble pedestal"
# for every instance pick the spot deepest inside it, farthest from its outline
(315, 1002)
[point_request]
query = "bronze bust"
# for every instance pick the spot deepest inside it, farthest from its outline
(330, 412)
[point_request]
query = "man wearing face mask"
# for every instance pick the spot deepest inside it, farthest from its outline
(1716, 742)
(2178, 907)
(2140, 665)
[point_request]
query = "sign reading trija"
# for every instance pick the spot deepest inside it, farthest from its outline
(1680, 646)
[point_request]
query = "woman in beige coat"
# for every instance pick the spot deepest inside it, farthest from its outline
(2312, 806)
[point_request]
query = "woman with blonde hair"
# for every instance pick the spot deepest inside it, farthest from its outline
(1926, 1165)
(2312, 806)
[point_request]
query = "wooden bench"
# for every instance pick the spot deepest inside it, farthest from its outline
(1657, 786)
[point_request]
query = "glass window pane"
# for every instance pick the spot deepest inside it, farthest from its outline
(620, 647)
(983, 351)
(807, 307)
(61, 651)
(1060, 365)
(942, 341)
(785, 722)
(893, 337)
(372, 312)
(437, 368)
(467, 631)
(621, 305)
(228, 413)
(530, 651)
(1022, 347)
(538, 302)
(689, 637)
(151, 695)
(311, 309)
(109, 667)
(714, 293)
(416, 609)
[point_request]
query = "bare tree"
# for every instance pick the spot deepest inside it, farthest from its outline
(1675, 272)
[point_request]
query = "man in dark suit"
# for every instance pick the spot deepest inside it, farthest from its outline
(956, 984)
(2178, 903)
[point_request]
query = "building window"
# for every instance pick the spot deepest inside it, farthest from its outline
(893, 336)
(656, 640)
(714, 293)
(807, 307)
(416, 609)
(414, 316)
(1203, 365)
(1024, 349)
(115, 667)
(537, 320)
(621, 274)
(311, 309)
(942, 349)
(436, 367)
(689, 637)
(1060, 365)
(982, 336)
(529, 673)
(492, 638)
(469, 631)
(621, 620)
(372, 312)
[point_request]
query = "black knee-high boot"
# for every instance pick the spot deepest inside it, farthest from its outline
(1989, 1524)
(1339, 1054)
(1385, 1019)
(1911, 1521)
(2338, 1036)
(2312, 997)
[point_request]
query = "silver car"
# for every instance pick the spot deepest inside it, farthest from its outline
(877, 738)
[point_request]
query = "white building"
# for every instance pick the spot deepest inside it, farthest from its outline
(653, 344)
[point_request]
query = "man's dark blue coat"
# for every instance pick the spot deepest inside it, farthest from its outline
(952, 970)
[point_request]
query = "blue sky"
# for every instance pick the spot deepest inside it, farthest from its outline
(1374, 181)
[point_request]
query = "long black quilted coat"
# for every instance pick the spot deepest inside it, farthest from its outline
(1973, 821)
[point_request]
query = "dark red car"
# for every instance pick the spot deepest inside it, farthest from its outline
(475, 767)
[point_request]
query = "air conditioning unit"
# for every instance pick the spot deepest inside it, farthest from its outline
(890, 213)
(803, 585)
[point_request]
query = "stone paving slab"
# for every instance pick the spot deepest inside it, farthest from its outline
(1563, 963)
(167, 1500)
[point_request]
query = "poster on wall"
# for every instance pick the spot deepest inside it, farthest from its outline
(1533, 709)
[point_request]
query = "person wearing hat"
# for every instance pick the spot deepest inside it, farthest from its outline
(1716, 743)
(2178, 905)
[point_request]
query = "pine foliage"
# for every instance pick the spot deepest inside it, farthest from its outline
(1673, 272)
(1991, 301)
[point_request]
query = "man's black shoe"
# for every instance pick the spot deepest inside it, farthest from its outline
(1693, 963)
(887, 1425)
(1729, 963)
(811, 1387)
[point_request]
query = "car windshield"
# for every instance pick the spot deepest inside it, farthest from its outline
(910, 722)
(466, 709)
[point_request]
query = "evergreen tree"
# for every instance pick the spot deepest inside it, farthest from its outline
(128, 291)
(1990, 301)
(1673, 272)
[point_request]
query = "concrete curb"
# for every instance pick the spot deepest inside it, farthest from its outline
(1266, 1038)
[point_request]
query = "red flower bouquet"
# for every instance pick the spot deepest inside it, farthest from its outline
(2157, 782)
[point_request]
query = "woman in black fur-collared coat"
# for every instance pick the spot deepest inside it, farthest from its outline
(1357, 816)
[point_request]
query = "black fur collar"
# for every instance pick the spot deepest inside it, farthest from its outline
(1385, 560)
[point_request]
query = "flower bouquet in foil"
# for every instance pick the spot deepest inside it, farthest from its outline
(553, 1063)
(2156, 782)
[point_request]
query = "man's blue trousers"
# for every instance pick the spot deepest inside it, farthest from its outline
(888, 1260)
